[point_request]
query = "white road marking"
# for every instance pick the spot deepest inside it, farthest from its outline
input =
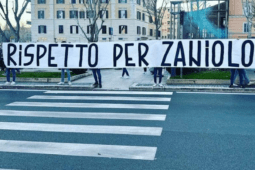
(43, 127)
(72, 149)
(217, 93)
(111, 92)
(85, 115)
(155, 99)
(90, 105)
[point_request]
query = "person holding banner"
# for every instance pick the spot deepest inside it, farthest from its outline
(8, 70)
(124, 70)
(157, 70)
(63, 77)
(97, 77)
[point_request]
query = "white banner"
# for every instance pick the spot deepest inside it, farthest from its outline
(222, 53)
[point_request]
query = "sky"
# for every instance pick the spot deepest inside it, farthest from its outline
(25, 16)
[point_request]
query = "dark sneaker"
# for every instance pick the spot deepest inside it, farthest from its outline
(95, 84)
(231, 86)
(100, 85)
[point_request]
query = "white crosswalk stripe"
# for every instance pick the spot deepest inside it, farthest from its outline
(155, 99)
(70, 149)
(160, 104)
(85, 115)
(110, 92)
(128, 130)
(90, 105)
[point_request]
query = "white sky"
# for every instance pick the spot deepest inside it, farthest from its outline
(24, 17)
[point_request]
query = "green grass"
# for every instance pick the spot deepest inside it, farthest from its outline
(223, 75)
(38, 74)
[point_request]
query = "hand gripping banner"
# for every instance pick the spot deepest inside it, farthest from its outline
(217, 53)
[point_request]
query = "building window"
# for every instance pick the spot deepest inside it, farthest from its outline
(123, 29)
(143, 16)
(42, 29)
(104, 28)
(41, 1)
(82, 14)
(74, 29)
(138, 15)
(104, 14)
(245, 27)
(60, 1)
(81, 1)
(144, 31)
(104, 1)
(138, 2)
(60, 14)
(120, 38)
(122, 13)
(73, 1)
(60, 29)
(151, 32)
(73, 14)
(90, 14)
(122, 1)
(150, 19)
(41, 14)
(138, 30)
(104, 39)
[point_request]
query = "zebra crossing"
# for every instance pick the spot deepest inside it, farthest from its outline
(61, 99)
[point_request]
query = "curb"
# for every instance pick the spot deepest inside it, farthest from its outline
(47, 80)
(48, 87)
(198, 81)
(225, 89)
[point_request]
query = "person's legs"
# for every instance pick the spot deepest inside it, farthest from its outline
(123, 72)
(95, 76)
(68, 75)
(160, 74)
(13, 74)
(126, 72)
(246, 78)
(63, 75)
(8, 74)
(241, 75)
(155, 75)
(99, 76)
(144, 69)
(232, 77)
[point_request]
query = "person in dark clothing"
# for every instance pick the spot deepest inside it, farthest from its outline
(97, 77)
(157, 71)
(144, 70)
(124, 70)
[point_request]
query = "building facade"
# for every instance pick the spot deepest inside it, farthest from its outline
(165, 28)
(55, 21)
(238, 27)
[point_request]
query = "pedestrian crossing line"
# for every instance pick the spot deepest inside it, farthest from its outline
(90, 105)
(87, 150)
(43, 127)
(154, 99)
(110, 92)
(85, 115)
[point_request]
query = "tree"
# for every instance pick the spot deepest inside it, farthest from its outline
(96, 10)
(248, 9)
(156, 14)
(5, 14)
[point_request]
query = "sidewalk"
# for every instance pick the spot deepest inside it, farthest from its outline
(112, 80)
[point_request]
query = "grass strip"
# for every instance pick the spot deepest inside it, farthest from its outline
(216, 74)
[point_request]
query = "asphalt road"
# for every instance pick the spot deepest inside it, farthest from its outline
(112, 131)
